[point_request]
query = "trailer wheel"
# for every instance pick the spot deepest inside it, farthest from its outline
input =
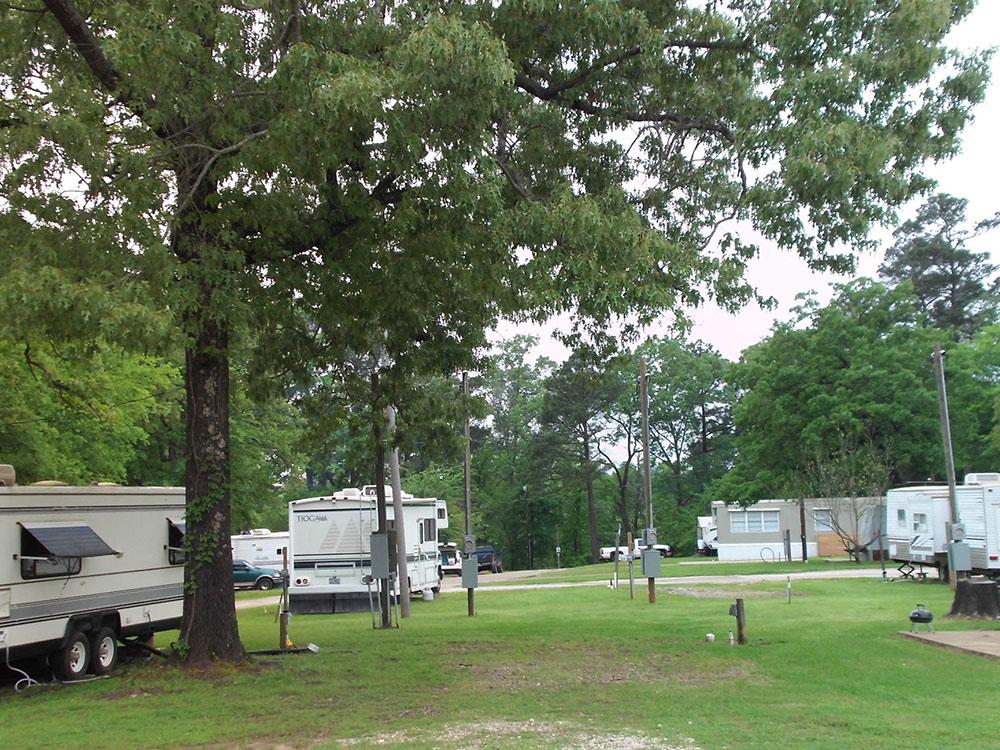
(103, 651)
(265, 584)
(70, 663)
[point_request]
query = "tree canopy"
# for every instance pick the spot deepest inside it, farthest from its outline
(952, 283)
(313, 171)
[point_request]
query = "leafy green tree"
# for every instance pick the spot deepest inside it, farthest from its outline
(248, 159)
(690, 413)
(509, 468)
(852, 377)
(579, 395)
(951, 282)
(79, 413)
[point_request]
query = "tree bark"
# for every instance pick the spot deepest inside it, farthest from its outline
(208, 627)
(976, 598)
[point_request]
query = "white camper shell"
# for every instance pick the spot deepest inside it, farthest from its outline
(262, 548)
(331, 548)
(82, 568)
(916, 519)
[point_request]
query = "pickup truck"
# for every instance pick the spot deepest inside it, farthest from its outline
(610, 553)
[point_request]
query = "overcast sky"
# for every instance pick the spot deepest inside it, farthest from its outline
(972, 175)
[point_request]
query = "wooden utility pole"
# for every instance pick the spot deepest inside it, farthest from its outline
(380, 507)
(949, 459)
(647, 481)
(402, 569)
(284, 615)
(468, 487)
(527, 520)
(802, 528)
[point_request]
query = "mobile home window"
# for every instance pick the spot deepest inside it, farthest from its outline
(824, 522)
(753, 521)
(920, 522)
(901, 518)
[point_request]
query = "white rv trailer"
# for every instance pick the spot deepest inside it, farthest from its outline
(708, 536)
(331, 548)
(262, 548)
(83, 567)
(916, 518)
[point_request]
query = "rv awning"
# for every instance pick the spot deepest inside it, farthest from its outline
(67, 539)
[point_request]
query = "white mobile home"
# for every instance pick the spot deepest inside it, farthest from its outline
(331, 548)
(757, 532)
(262, 548)
(83, 567)
(917, 518)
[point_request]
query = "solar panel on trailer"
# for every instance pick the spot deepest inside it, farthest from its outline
(64, 540)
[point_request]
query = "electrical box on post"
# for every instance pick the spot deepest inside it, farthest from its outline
(651, 563)
(960, 556)
(380, 555)
(469, 544)
(470, 572)
(648, 537)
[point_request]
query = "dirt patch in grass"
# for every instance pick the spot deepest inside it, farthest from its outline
(559, 666)
(481, 735)
(134, 692)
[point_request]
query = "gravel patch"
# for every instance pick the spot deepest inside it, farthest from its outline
(487, 735)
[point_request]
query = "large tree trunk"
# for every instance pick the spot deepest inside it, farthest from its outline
(976, 598)
(208, 628)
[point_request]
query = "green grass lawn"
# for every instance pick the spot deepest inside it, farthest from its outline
(558, 668)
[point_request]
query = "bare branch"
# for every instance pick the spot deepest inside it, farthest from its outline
(219, 153)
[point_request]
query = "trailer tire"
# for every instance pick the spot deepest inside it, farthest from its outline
(70, 662)
(264, 584)
(103, 651)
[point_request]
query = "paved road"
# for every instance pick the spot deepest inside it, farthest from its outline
(487, 581)
(490, 581)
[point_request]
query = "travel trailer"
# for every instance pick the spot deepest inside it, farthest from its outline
(708, 536)
(331, 548)
(916, 519)
(82, 568)
(262, 548)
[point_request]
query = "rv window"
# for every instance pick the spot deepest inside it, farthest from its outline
(56, 567)
(920, 522)
(175, 541)
(441, 514)
(429, 532)
(421, 525)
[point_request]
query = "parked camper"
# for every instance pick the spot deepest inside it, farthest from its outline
(708, 536)
(262, 548)
(82, 568)
(916, 519)
(331, 548)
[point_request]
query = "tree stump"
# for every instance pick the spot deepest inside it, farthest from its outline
(976, 597)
